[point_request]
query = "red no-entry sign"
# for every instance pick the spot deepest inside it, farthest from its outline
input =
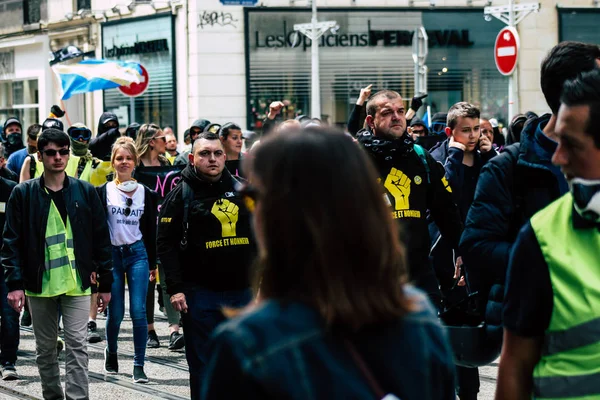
(137, 89)
(506, 50)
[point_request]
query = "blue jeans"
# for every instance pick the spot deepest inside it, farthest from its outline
(131, 261)
(9, 332)
(203, 315)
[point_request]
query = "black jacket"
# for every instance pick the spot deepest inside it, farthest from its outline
(214, 258)
(147, 222)
(396, 158)
(463, 190)
(357, 118)
(512, 187)
(6, 188)
(100, 146)
(23, 249)
(8, 174)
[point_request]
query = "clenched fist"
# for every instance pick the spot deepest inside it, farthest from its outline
(398, 184)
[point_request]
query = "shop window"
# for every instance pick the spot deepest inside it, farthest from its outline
(20, 99)
(372, 47)
(150, 43)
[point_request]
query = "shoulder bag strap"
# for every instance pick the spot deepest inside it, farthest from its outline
(421, 153)
(364, 369)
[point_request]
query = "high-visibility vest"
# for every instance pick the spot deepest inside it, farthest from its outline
(71, 169)
(60, 272)
(569, 367)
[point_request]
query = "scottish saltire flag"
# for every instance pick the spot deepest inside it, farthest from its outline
(89, 75)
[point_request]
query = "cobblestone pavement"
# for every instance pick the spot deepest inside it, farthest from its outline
(166, 370)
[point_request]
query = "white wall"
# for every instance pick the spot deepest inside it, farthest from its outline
(57, 9)
(217, 77)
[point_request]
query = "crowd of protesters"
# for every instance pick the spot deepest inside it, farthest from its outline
(388, 261)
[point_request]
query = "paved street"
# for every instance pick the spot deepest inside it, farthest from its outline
(167, 370)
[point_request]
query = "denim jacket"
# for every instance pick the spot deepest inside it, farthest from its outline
(282, 350)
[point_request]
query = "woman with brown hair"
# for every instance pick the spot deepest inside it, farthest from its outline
(335, 319)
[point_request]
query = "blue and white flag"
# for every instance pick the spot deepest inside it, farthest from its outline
(89, 75)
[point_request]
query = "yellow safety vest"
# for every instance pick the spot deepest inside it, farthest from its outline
(71, 169)
(60, 272)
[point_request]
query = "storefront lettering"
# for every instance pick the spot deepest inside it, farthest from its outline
(373, 38)
(152, 46)
(212, 18)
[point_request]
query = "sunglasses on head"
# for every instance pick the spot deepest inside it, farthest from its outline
(80, 133)
(128, 203)
(52, 152)
(249, 195)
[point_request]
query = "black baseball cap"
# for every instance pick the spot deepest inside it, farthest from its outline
(53, 123)
(11, 121)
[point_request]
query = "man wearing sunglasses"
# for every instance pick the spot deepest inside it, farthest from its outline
(81, 162)
(56, 245)
(206, 265)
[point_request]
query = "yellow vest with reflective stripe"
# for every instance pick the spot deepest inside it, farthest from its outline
(570, 364)
(60, 273)
(71, 169)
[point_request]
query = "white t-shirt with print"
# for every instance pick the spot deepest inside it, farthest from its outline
(124, 229)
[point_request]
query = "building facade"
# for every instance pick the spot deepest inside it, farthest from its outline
(243, 58)
(227, 63)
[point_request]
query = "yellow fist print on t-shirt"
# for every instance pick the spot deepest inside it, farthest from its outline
(398, 184)
(227, 213)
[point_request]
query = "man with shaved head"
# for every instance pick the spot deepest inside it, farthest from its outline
(206, 247)
(414, 184)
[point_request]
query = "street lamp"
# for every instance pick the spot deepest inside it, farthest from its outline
(314, 31)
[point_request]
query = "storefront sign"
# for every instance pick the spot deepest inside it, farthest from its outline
(152, 46)
(371, 38)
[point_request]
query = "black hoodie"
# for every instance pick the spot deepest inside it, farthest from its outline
(405, 184)
(219, 254)
(182, 159)
(101, 145)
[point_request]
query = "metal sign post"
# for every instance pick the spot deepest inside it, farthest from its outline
(511, 15)
(314, 31)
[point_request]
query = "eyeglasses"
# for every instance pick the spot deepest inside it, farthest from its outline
(128, 203)
(418, 131)
(164, 138)
(250, 196)
(80, 133)
(52, 152)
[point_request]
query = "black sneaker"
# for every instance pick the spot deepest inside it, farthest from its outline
(176, 341)
(152, 342)
(9, 372)
(139, 376)
(93, 335)
(111, 363)
(26, 318)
